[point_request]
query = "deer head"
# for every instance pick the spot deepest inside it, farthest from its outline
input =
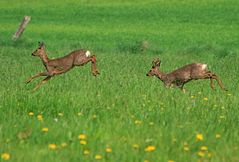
(155, 68)
(40, 50)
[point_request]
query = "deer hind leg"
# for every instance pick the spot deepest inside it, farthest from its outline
(42, 82)
(211, 83)
(208, 75)
(94, 69)
(219, 82)
(214, 76)
(36, 76)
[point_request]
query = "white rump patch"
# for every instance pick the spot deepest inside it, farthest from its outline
(87, 54)
(204, 66)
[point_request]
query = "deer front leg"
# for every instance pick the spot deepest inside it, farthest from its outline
(35, 76)
(168, 84)
(42, 82)
(182, 88)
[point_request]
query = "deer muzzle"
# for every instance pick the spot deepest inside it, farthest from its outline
(34, 54)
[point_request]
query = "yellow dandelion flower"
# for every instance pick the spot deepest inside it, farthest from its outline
(60, 114)
(63, 144)
(135, 146)
(201, 153)
(82, 136)
(149, 148)
(98, 157)
(174, 140)
(146, 160)
(40, 117)
(108, 150)
(199, 137)
(186, 148)
(94, 116)
(5, 156)
(86, 152)
(83, 142)
(79, 113)
(218, 136)
(151, 123)
(203, 148)
(170, 160)
(30, 113)
(137, 122)
(192, 97)
(45, 130)
(52, 146)
(222, 117)
(205, 99)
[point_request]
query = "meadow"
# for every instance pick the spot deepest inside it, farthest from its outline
(120, 115)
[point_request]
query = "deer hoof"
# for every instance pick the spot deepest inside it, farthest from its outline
(28, 81)
(95, 73)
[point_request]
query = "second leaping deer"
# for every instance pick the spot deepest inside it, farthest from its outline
(62, 64)
(184, 74)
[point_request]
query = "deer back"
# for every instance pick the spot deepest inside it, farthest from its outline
(189, 72)
(81, 56)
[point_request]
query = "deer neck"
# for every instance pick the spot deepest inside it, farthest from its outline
(44, 58)
(162, 76)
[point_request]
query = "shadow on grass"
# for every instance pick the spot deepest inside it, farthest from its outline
(137, 47)
(200, 50)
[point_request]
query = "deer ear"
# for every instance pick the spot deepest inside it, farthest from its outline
(42, 44)
(156, 62)
(153, 62)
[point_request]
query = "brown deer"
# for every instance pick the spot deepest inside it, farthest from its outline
(62, 64)
(183, 75)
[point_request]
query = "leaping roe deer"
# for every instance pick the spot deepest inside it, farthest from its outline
(62, 64)
(184, 74)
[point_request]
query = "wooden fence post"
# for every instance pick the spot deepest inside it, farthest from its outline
(21, 28)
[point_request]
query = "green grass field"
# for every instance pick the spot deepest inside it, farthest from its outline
(121, 115)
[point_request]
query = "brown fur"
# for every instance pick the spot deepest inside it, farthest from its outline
(62, 64)
(184, 74)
